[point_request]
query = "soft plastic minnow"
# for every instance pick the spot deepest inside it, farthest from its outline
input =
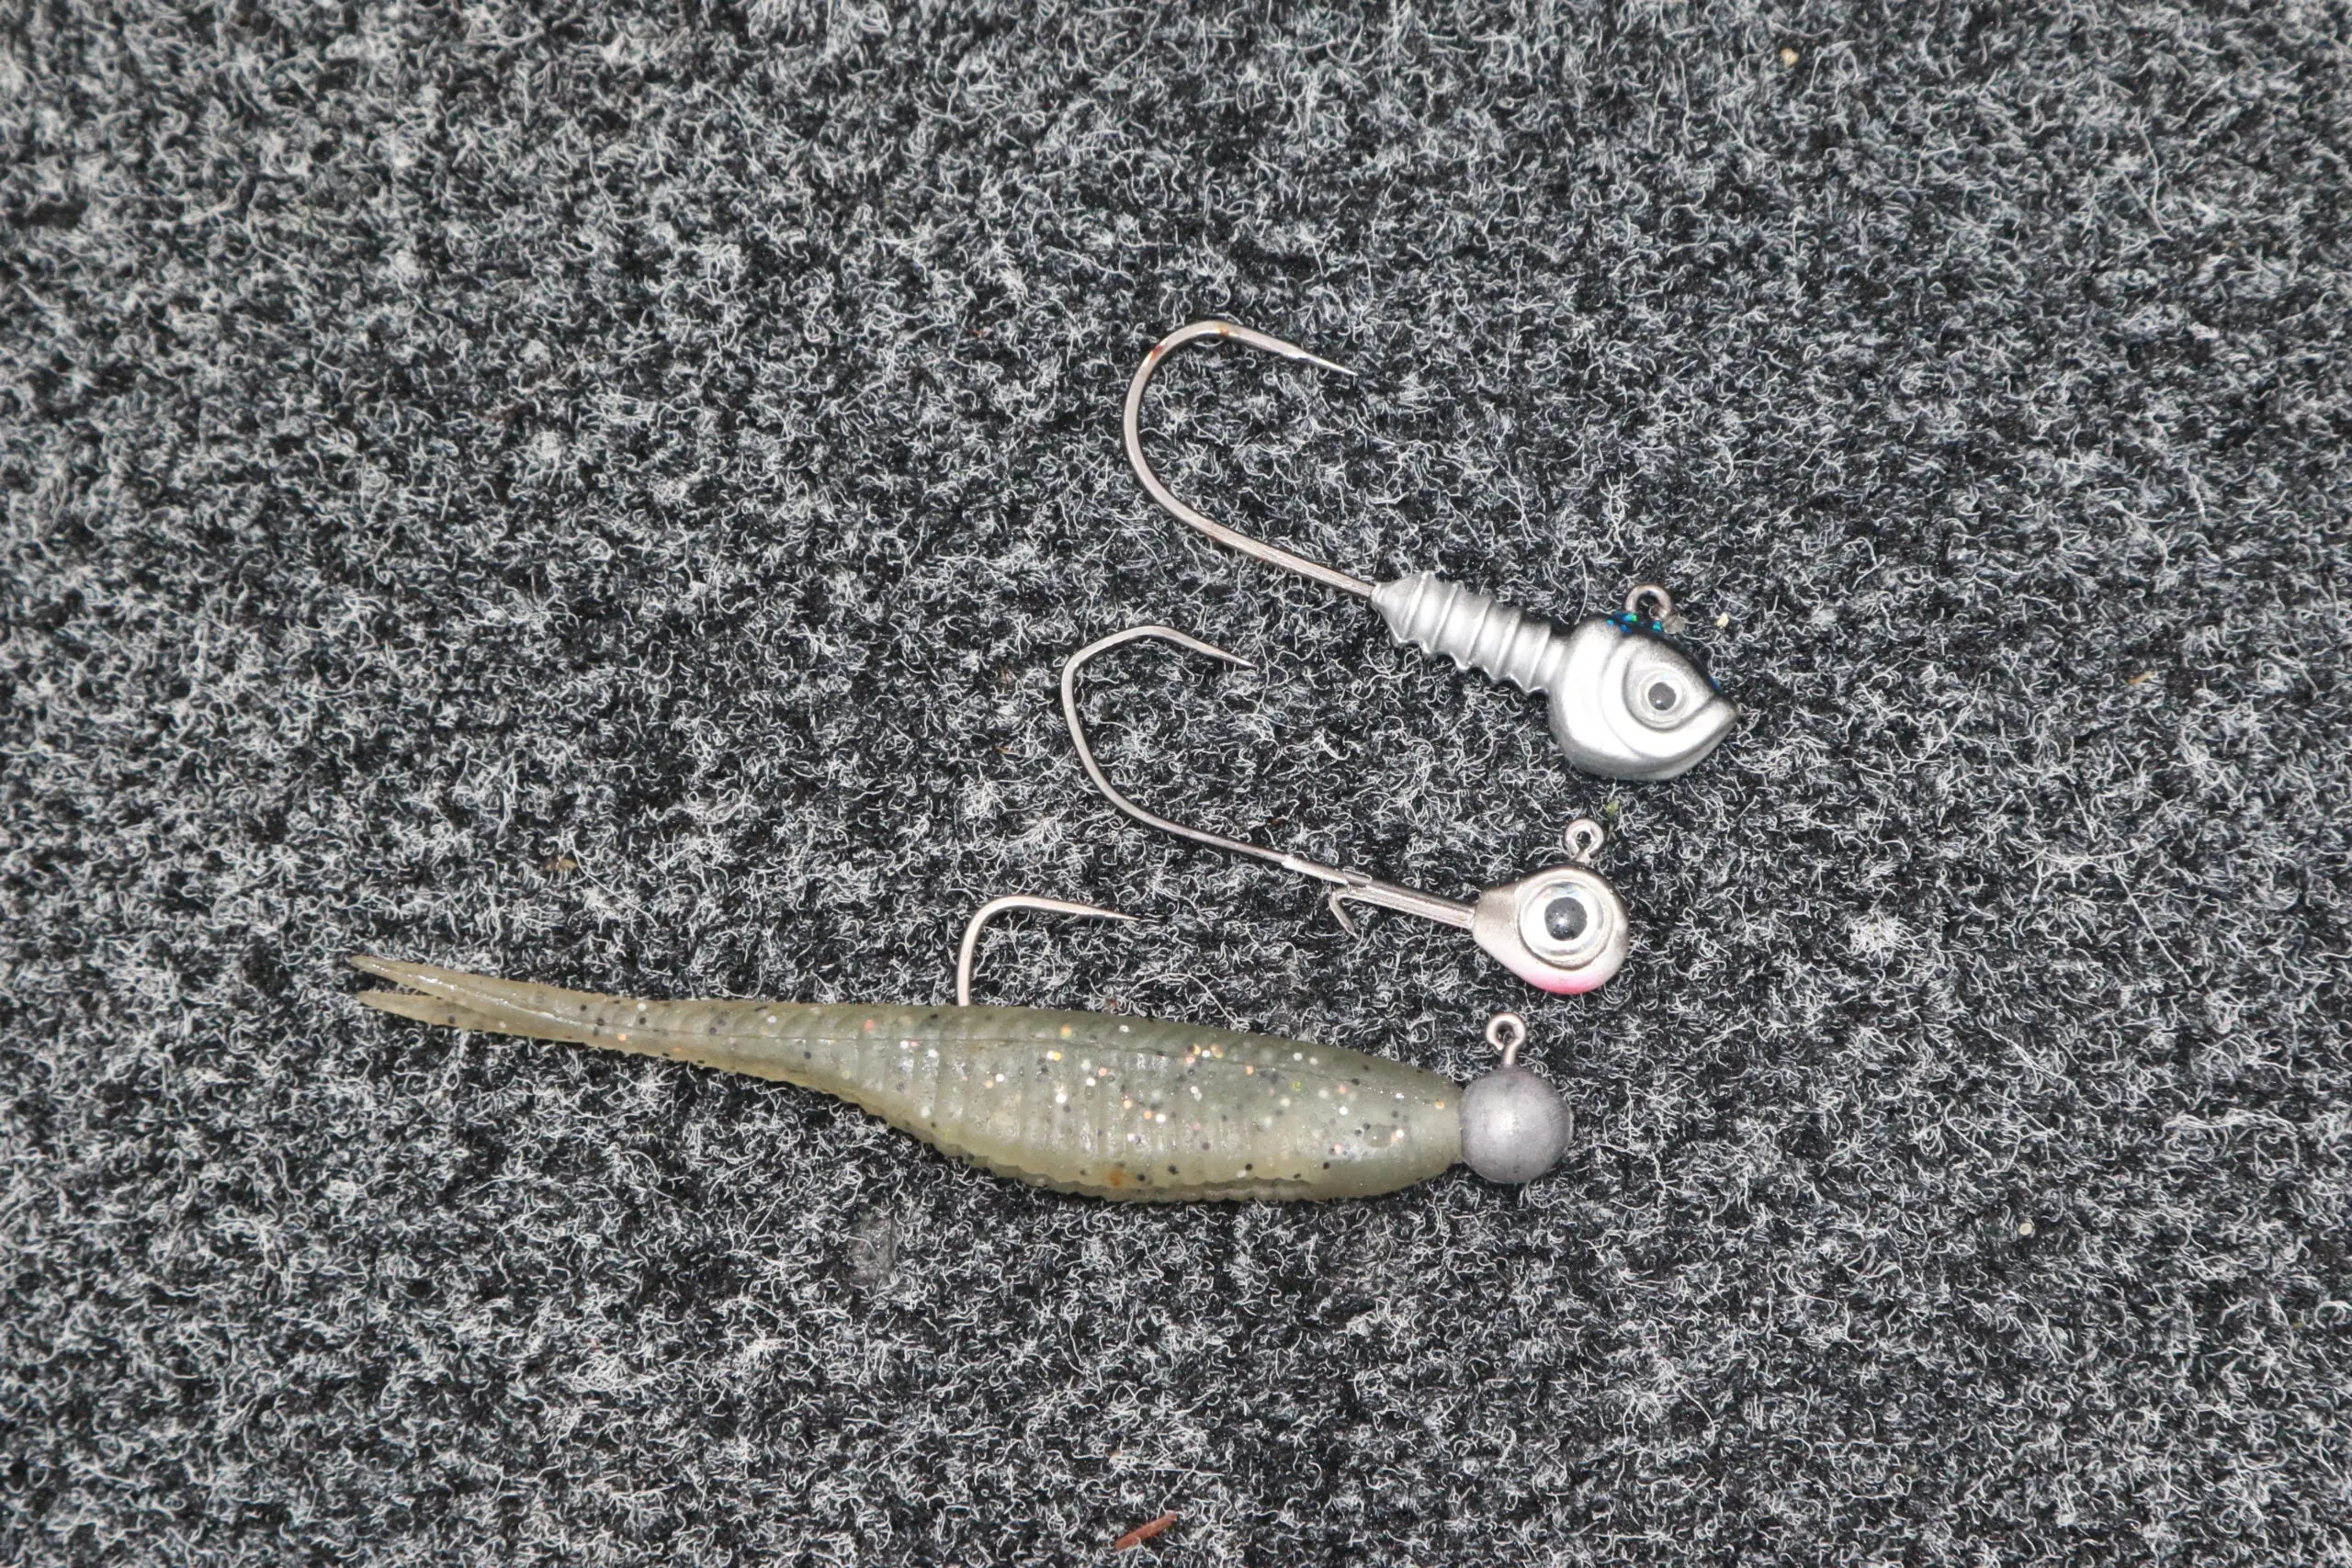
(1081, 1101)
(1625, 702)
(1130, 1109)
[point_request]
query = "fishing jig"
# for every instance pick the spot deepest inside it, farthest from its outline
(1563, 930)
(1625, 703)
(1132, 1109)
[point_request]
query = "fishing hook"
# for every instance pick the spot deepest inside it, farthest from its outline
(995, 907)
(1563, 930)
(1625, 703)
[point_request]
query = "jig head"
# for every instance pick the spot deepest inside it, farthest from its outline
(1514, 1125)
(1563, 930)
(1625, 702)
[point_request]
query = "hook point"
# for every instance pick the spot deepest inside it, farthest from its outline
(1338, 900)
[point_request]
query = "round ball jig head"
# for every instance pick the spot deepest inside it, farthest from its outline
(1514, 1127)
(1625, 702)
(1563, 930)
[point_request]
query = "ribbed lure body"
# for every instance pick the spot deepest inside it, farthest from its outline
(1133, 1109)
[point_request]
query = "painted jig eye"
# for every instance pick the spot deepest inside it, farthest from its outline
(1563, 921)
(1563, 928)
(1661, 688)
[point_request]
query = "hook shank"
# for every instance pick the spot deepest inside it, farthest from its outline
(1274, 555)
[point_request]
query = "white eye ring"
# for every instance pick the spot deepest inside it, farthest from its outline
(1515, 923)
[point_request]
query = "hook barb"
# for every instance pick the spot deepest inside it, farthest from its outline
(995, 907)
(1273, 555)
(1338, 900)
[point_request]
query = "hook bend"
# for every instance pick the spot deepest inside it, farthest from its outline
(1274, 555)
(1346, 885)
(995, 907)
(1077, 662)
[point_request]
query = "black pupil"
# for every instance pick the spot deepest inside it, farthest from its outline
(1565, 917)
(1662, 696)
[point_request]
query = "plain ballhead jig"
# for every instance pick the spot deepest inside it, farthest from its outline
(1084, 1102)
(1625, 703)
(1563, 930)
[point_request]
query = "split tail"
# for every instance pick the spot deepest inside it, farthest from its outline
(456, 999)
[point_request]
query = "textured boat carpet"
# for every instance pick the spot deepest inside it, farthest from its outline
(601, 495)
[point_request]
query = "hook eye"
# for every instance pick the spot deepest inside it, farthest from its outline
(1507, 1031)
(1656, 595)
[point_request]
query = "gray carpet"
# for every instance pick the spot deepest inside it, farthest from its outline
(602, 496)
